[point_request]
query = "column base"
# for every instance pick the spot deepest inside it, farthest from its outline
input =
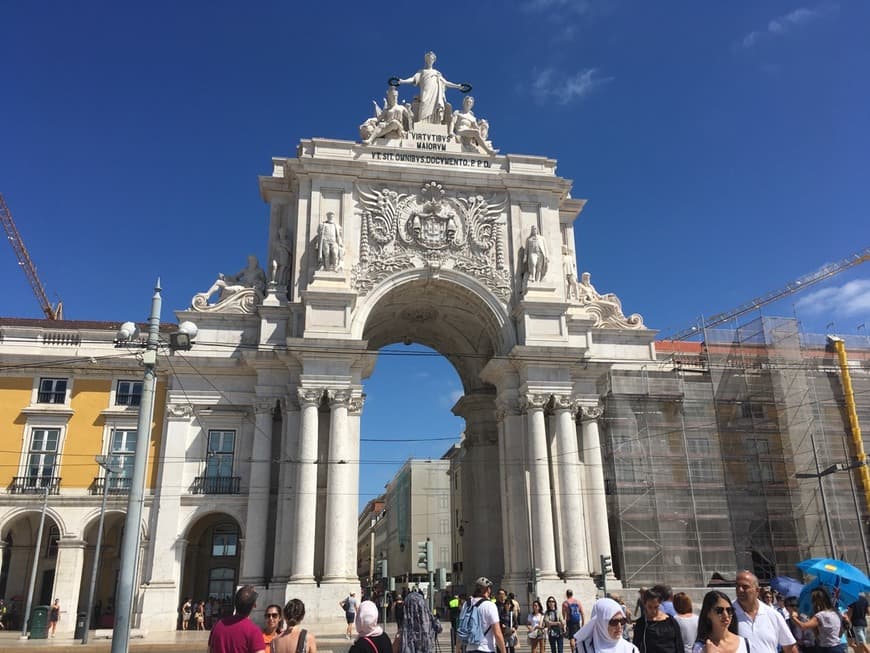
(257, 581)
(344, 580)
(301, 579)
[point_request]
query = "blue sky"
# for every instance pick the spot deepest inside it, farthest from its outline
(724, 148)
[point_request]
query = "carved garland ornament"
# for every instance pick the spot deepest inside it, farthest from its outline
(430, 228)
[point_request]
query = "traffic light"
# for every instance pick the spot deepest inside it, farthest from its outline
(606, 565)
(382, 569)
(424, 556)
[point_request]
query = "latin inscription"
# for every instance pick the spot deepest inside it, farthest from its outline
(431, 159)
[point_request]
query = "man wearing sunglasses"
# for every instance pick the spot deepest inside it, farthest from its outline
(760, 624)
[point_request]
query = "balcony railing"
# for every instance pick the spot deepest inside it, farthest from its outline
(117, 486)
(35, 485)
(216, 485)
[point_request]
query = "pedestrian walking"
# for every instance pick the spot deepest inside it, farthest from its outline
(602, 633)
(371, 637)
(554, 625)
(717, 627)
(236, 633)
(294, 639)
(53, 617)
(656, 631)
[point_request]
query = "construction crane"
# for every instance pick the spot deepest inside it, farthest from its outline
(804, 282)
(51, 312)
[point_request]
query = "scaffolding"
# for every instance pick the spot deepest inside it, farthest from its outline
(702, 452)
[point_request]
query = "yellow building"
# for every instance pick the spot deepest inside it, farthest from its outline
(68, 395)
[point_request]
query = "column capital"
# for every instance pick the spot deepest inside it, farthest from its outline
(309, 396)
(356, 405)
(533, 401)
(566, 402)
(264, 405)
(338, 398)
(179, 411)
(505, 408)
(591, 413)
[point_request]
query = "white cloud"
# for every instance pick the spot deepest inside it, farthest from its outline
(786, 23)
(548, 84)
(852, 298)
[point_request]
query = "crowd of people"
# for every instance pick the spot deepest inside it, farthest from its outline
(489, 621)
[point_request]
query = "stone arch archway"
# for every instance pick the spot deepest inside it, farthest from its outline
(212, 559)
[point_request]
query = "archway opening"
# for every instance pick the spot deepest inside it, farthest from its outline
(433, 339)
(211, 565)
(103, 609)
(20, 536)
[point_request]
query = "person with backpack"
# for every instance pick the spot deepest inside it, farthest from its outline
(573, 614)
(479, 625)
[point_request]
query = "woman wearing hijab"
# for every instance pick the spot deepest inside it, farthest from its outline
(416, 634)
(603, 632)
(371, 637)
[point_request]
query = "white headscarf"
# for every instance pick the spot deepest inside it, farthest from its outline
(366, 620)
(596, 628)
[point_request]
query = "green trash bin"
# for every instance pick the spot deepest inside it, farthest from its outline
(39, 622)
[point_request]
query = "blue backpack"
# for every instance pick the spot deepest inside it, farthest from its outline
(470, 630)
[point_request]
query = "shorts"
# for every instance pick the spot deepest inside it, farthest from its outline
(860, 633)
(572, 629)
(350, 616)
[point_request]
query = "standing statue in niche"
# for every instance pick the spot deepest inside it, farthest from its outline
(281, 261)
(572, 287)
(431, 105)
(470, 131)
(535, 258)
(394, 119)
(330, 248)
(251, 277)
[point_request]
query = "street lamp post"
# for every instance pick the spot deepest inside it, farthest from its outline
(133, 523)
(29, 605)
(181, 339)
(102, 461)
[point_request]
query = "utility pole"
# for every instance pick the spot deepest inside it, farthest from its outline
(133, 523)
(29, 605)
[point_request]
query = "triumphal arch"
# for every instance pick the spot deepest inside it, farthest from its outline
(420, 231)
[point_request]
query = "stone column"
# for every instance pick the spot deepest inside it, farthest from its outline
(302, 569)
(68, 580)
(287, 497)
(598, 527)
(254, 560)
(540, 495)
(165, 559)
(352, 497)
(569, 473)
(340, 512)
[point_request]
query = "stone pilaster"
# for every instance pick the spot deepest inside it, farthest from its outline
(540, 493)
(254, 561)
(165, 558)
(515, 516)
(68, 579)
(302, 566)
(287, 497)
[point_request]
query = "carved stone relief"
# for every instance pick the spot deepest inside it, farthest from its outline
(430, 228)
(605, 309)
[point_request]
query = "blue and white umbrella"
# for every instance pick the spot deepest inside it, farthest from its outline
(843, 581)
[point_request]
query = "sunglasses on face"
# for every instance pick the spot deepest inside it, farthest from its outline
(272, 615)
(720, 610)
(617, 622)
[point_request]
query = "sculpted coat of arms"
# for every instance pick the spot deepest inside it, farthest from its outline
(434, 228)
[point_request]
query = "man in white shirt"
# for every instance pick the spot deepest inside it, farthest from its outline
(760, 624)
(493, 639)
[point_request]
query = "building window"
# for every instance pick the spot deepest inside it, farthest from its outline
(751, 410)
(51, 391)
(219, 461)
(224, 541)
(128, 393)
(701, 466)
(442, 557)
(221, 583)
(42, 458)
(122, 451)
(51, 542)
(444, 526)
(444, 502)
